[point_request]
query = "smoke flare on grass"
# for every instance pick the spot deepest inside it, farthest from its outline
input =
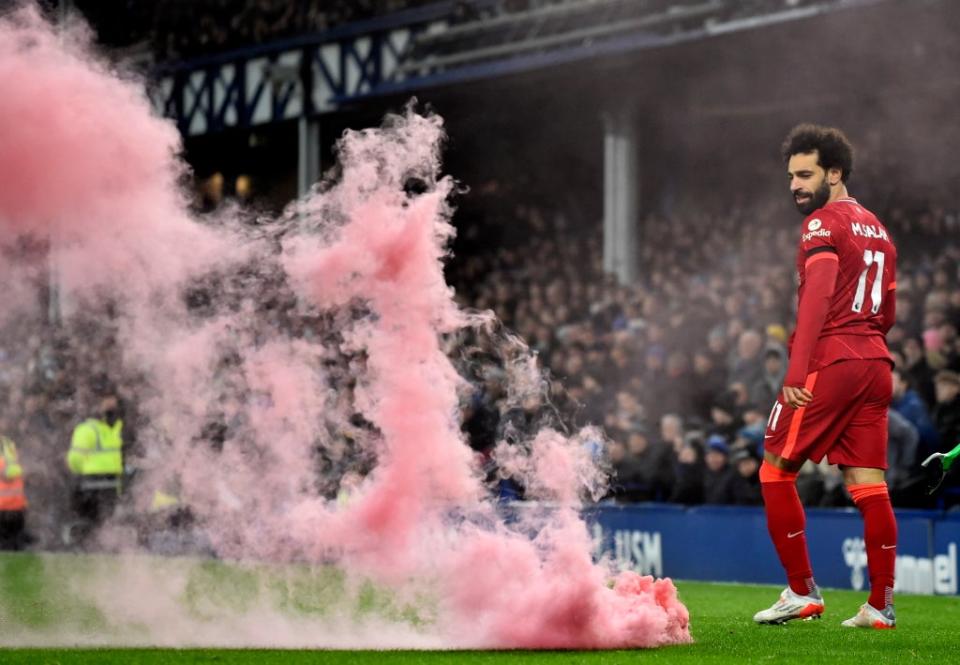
(257, 350)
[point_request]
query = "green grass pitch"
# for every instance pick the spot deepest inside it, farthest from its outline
(720, 620)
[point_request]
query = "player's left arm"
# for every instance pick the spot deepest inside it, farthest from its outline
(889, 311)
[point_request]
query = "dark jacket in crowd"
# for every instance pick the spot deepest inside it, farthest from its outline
(716, 485)
(687, 483)
(902, 451)
(946, 417)
(912, 407)
(745, 490)
(905, 476)
(647, 476)
(744, 487)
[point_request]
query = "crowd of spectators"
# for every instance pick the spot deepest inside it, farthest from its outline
(174, 30)
(682, 367)
(184, 30)
(679, 369)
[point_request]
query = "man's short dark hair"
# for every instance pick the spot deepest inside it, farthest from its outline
(831, 145)
(947, 376)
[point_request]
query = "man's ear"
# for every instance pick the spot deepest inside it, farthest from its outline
(834, 176)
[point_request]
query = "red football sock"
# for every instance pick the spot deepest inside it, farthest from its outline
(787, 523)
(880, 537)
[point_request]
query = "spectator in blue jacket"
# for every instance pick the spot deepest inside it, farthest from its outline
(908, 403)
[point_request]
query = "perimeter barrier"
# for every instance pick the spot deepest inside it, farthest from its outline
(731, 544)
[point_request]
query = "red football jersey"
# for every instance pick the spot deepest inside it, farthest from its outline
(867, 262)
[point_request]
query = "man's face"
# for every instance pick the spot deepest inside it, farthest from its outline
(946, 391)
(749, 344)
(669, 428)
(808, 182)
(627, 403)
(747, 467)
(716, 343)
(701, 363)
(773, 364)
(616, 451)
(637, 443)
(109, 408)
(715, 460)
(720, 416)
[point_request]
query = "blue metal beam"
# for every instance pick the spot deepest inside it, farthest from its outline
(318, 73)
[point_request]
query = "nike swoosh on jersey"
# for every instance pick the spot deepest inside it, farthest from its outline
(794, 535)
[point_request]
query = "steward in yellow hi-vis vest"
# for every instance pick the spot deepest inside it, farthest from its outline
(12, 497)
(96, 449)
(13, 500)
(95, 459)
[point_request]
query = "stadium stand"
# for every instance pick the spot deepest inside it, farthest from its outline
(474, 30)
(175, 30)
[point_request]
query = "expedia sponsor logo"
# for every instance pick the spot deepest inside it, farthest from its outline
(819, 233)
(814, 225)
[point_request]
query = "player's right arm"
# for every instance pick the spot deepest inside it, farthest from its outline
(821, 268)
(821, 279)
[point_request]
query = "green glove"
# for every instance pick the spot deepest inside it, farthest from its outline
(946, 461)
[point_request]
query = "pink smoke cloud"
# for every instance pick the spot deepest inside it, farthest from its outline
(87, 164)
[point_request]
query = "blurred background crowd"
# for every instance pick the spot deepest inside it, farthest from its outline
(683, 367)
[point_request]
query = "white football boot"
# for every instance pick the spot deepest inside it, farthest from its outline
(792, 606)
(870, 617)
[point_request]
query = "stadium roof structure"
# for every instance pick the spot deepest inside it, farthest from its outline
(443, 44)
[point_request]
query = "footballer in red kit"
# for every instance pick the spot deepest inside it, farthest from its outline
(838, 383)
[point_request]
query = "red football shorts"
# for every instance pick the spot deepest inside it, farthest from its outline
(846, 420)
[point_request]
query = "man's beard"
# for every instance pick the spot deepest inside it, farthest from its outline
(818, 200)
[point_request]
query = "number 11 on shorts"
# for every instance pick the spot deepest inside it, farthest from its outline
(774, 416)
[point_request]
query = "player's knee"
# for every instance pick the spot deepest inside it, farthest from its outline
(770, 473)
(781, 463)
(859, 475)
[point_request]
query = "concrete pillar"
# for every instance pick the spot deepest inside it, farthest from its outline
(621, 184)
(54, 295)
(308, 154)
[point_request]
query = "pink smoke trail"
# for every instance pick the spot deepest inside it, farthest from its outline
(500, 588)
